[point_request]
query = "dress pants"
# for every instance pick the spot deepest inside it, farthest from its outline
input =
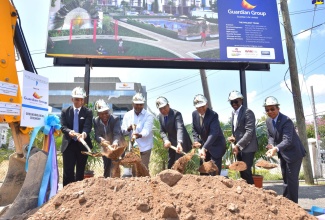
(107, 167)
(248, 158)
(72, 157)
(290, 174)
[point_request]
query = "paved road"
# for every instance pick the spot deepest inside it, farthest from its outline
(308, 195)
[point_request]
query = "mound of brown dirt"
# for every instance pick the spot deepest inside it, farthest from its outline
(238, 166)
(265, 164)
(170, 195)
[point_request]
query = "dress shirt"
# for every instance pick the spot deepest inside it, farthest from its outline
(236, 117)
(106, 127)
(144, 125)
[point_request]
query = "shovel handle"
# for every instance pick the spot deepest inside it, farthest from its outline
(175, 149)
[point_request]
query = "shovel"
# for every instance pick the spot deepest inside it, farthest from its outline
(180, 164)
(88, 152)
(237, 165)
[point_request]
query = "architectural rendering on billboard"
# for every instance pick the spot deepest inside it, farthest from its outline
(203, 31)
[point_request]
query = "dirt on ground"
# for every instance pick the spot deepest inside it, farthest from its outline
(169, 195)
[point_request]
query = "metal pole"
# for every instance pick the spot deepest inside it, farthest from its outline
(87, 80)
(205, 87)
(243, 85)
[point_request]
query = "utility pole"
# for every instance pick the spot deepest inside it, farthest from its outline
(299, 111)
(205, 87)
(318, 168)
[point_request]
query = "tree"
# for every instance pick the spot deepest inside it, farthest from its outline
(170, 3)
(155, 6)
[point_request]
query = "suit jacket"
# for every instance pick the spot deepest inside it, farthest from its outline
(210, 134)
(245, 133)
(285, 137)
(85, 124)
(175, 130)
(112, 134)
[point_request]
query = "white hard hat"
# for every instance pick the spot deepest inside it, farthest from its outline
(161, 102)
(199, 101)
(270, 101)
(101, 106)
(138, 99)
(78, 92)
(235, 95)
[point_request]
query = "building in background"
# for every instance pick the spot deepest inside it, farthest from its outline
(116, 93)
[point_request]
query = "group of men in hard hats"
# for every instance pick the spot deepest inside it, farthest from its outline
(206, 132)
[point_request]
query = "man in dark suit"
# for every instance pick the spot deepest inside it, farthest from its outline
(284, 140)
(243, 134)
(107, 128)
(75, 118)
(207, 132)
(172, 130)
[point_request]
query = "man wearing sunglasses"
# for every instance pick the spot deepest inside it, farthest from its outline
(243, 134)
(284, 140)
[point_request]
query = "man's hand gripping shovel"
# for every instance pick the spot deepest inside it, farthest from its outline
(180, 164)
(83, 142)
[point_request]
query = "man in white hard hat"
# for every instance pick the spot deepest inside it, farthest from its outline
(172, 131)
(107, 128)
(243, 134)
(144, 123)
(283, 139)
(207, 133)
(75, 119)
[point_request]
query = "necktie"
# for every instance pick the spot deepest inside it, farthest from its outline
(273, 122)
(76, 121)
(201, 120)
(165, 119)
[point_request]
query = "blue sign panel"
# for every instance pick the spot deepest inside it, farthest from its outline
(249, 31)
(317, 2)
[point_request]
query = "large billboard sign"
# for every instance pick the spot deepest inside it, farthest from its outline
(227, 31)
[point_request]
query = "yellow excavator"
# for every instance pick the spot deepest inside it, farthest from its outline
(19, 191)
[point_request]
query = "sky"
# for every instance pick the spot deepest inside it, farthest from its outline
(180, 86)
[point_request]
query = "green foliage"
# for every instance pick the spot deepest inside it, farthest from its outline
(193, 29)
(214, 29)
(159, 155)
(52, 3)
(5, 153)
(155, 6)
(310, 130)
(262, 139)
(92, 162)
(209, 54)
(150, 27)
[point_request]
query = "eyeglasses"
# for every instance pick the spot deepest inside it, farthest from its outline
(234, 102)
(270, 110)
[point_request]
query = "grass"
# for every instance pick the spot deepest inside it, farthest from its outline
(210, 54)
(87, 47)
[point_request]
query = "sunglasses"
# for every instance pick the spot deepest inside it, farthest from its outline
(234, 102)
(270, 110)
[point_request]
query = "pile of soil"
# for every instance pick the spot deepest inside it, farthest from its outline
(169, 195)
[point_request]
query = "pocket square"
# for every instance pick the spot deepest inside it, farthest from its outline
(82, 118)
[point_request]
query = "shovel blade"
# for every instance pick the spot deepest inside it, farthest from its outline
(238, 166)
(208, 167)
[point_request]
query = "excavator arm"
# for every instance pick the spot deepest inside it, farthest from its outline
(18, 189)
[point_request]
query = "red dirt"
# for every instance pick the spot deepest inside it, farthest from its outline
(169, 195)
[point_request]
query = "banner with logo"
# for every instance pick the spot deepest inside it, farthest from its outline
(124, 86)
(35, 99)
(250, 30)
(212, 31)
